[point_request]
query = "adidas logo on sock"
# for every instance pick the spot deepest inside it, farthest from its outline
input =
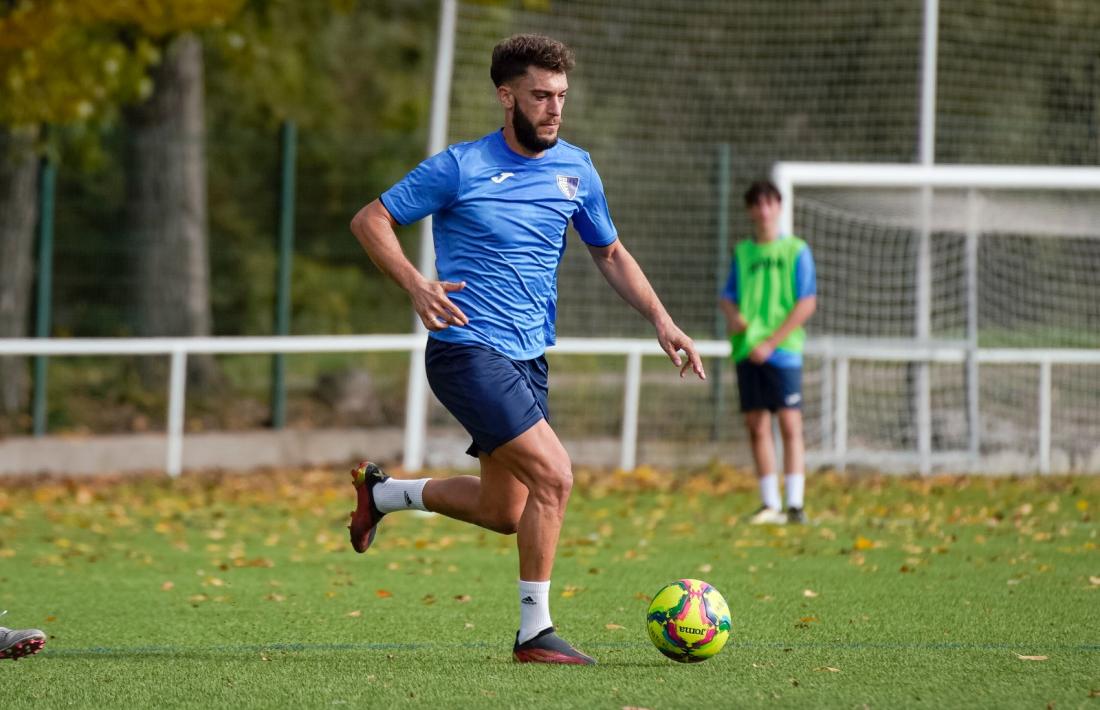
(408, 500)
(530, 601)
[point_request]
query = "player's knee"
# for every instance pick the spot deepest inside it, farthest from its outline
(790, 426)
(553, 481)
(504, 522)
(758, 428)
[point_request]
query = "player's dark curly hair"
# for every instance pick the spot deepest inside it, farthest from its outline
(512, 56)
(762, 190)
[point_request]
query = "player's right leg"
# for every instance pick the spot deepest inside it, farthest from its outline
(756, 403)
(758, 423)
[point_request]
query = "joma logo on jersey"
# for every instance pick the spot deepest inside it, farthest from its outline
(568, 185)
(766, 263)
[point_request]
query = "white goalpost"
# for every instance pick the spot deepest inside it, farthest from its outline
(960, 261)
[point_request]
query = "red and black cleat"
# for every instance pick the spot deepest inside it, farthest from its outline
(17, 643)
(548, 647)
(366, 516)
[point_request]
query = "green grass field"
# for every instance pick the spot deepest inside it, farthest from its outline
(241, 591)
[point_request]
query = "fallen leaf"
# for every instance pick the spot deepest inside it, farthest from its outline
(863, 543)
(383, 594)
(463, 598)
(167, 586)
(1031, 658)
(809, 593)
(428, 599)
(1094, 580)
(808, 619)
(613, 627)
(467, 625)
(355, 614)
(705, 568)
(828, 668)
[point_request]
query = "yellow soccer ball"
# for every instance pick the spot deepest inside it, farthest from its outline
(688, 621)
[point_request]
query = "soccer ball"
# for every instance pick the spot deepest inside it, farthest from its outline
(688, 621)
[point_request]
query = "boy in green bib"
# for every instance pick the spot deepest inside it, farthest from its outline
(770, 293)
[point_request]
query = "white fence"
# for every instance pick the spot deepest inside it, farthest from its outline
(836, 353)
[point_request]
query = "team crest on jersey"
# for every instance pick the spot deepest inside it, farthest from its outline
(568, 185)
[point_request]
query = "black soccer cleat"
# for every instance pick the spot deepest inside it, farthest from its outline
(548, 647)
(366, 516)
(796, 516)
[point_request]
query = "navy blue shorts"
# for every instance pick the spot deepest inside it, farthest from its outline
(493, 396)
(769, 387)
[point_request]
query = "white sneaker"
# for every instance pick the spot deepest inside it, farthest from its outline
(768, 516)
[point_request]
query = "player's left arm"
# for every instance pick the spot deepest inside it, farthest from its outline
(626, 277)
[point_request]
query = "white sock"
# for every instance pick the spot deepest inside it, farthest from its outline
(769, 491)
(395, 494)
(534, 609)
(795, 483)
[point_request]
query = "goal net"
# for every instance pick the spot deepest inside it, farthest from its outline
(988, 277)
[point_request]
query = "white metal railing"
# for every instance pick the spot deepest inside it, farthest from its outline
(837, 354)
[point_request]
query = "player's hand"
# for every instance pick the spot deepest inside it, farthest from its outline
(672, 341)
(762, 352)
(435, 309)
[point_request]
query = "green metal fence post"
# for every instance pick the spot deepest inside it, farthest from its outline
(288, 142)
(721, 265)
(46, 180)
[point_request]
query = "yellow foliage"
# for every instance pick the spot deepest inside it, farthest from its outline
(65, 61)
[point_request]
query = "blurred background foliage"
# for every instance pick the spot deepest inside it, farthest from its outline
(354, 76)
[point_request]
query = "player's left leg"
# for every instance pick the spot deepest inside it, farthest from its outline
(540, 463)
(794, 447)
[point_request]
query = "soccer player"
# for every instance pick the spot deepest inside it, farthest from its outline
(770, 293)
(17, 643)
(501, 206)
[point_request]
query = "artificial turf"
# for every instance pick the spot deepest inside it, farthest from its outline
(240, 590)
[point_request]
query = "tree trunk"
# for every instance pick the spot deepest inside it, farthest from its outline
(18, 214)
(166, 210)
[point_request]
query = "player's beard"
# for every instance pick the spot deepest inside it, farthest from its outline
(526, 134)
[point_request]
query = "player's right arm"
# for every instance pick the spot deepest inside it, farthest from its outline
(374, 226)
(735, 322)
(727, 302)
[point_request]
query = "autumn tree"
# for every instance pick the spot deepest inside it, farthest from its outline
(57, 66)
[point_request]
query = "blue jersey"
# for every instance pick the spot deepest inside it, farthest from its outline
(499, 224)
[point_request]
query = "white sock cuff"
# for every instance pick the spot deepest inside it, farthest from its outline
(397, 494)
(769, 491)
(534, 587)
(534, 609)
(795, 483)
